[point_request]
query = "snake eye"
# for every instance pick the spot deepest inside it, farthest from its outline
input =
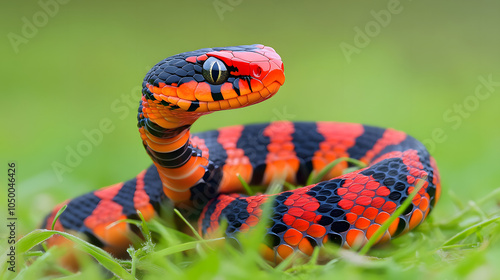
(215, 71)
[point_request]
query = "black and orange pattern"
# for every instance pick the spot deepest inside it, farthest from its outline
(198, 173)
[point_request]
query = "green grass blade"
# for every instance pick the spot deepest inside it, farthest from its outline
(460, 214)
(35, 237)
(57, 216)
(195, 232)
(245, 185)
(183, 247)
(468, 231)
(313, 179)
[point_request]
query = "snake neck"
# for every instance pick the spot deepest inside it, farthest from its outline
(165, 134)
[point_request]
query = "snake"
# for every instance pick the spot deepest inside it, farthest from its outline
(203, 174)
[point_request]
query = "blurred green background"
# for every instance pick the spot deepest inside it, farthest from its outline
(81, 62)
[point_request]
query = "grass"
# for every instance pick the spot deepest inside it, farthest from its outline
(462, 246)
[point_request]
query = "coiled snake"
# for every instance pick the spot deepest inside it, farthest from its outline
(198, 172)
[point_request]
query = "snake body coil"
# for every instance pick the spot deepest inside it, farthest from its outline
(198, 172)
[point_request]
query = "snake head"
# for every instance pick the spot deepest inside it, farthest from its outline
(213, 79)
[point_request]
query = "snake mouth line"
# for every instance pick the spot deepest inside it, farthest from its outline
(199, 106)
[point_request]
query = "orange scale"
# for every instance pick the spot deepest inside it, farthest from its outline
(186, 90)
(382, 217)
(296, 211)
(214, 106)
(424, 204)
(109, 193)
(364, 200)
(362, 223)
(287, 148)
(311, 206)
(410, 179)
(393, 227)
(308, 216)
(372, 185)
(383, 191)
(377, 202)
(317, 219)
(266, 252)
(203, 92)
(371, 230)
(273, 147)
(345, 204)
(339, 149)
(202, 57)
(252, 220)
(227, 91)
(354, 237)
(306, 247)
(243, 100)
(416, 218)
(301, 201)
(177, 196)
(415, 172)
(350, 196)
(351, 217)
(265, 93)
(289, 202)
(284, 251)
(355, 188)
(184, 104)
(253, 204)
(233, 102)
(156, 90)
(370, 213)
(224, 104)
(361, 179)
(157, 96)
(348, 182)
(300, 224)
(316, 230)
(358, 209)
(389, 207)
(325, 239)
(341, 191)
(256, 85)
(423, 189)
(258, 212)
(292, 237)
(368, 193)
(244, 228)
